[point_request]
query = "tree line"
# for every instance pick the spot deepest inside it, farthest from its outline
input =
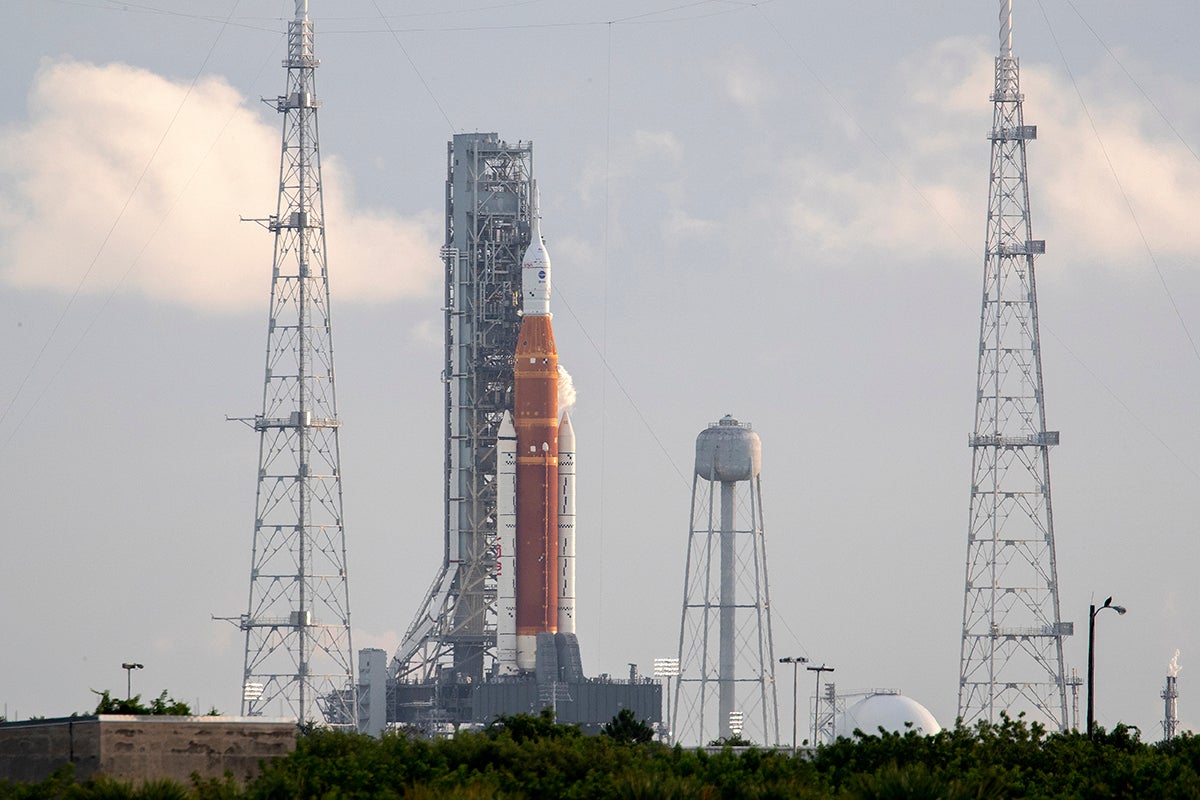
(532, 757)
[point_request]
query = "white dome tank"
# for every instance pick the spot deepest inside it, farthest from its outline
(728, 451)
(894, 713)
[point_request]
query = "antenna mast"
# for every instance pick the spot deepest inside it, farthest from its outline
(1012, 634)
(298, 652)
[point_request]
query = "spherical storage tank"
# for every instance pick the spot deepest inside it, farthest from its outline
(728, 451)
(894, 713)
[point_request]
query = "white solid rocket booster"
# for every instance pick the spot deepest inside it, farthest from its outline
(506, 530)
(566, 525)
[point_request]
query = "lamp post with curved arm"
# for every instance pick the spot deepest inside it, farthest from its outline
(1091, 692)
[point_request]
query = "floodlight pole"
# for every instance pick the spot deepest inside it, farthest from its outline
(129, 667)
(667, 668)
(795, 661)
(817, 700)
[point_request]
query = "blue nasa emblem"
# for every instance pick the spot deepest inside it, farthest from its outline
(541, 273)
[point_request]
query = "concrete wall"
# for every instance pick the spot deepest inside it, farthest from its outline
(137, 748)
(30, 751)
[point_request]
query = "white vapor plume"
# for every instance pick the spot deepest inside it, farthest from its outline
(1174, 667)
(566, 389)
(68, 170)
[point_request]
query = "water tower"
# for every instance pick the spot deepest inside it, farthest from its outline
(726, 681)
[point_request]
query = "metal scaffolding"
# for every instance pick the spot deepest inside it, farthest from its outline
(452, 638)
(1012, 632)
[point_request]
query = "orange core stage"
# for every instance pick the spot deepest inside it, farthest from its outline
(535, 417)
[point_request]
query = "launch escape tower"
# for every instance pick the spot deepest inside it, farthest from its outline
(726, 653)
(1012, 634)
(452, 639)
(298, 652)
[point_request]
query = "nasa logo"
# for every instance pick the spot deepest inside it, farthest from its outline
(541, 273)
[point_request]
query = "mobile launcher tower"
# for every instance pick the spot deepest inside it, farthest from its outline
(495, 633)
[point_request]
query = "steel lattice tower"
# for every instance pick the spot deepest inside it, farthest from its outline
(726, 680)
(453, 635)
(298, 651)
(1012, 635)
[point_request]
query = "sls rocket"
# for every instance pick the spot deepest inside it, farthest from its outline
(535, 483)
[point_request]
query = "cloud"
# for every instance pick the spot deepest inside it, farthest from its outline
(655, 145)
(647, 165)
(924, 195)
(742, 80)
(388, 641)
(67, 192)
(1088, 178)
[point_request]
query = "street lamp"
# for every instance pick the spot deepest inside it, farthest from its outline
(1091, 703)
(129, 667)
(795, 661)
(817, 700)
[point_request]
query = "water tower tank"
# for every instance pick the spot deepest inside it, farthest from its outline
(728, 451)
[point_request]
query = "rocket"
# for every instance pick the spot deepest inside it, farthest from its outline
(535, 482)
(535, 417)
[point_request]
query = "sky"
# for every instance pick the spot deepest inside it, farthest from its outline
(768, 209)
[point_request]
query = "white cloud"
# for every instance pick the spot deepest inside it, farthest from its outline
(1087, 213)
(388, 641)
(926, 197)
(67, 172)
(655, 144)
(742, 80)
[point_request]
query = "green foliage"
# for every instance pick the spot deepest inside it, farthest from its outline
(526, 727)
(736, 740)
(161, 705)
(627, 728)
(526, 757)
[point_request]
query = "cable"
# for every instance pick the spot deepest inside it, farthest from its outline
(137, 8)
(1123, 404)
(133, 264)
(1132, 80)
(413, 64)
(608, 370)
(107, 236)
(1117, 178)
(862, 129)
(603, 324)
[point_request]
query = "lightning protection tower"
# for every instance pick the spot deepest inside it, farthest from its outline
(1012, 632)
(298, 652)
(452, 638)
(726, 680)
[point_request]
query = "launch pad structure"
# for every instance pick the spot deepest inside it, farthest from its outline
(487, 230)
(447, 670)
